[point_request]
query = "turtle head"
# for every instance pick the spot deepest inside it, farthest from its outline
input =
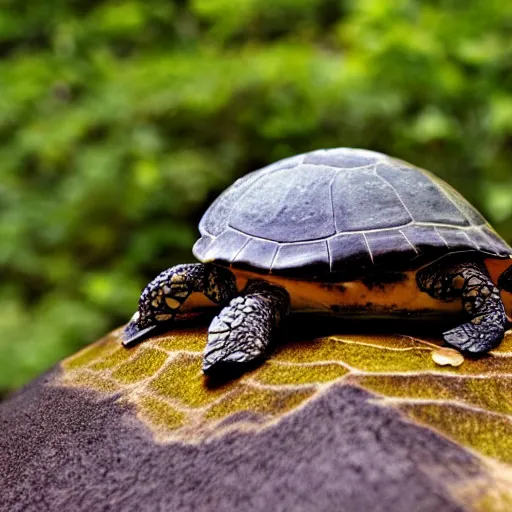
(153, 313)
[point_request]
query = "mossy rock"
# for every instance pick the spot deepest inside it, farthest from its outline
(341, 422)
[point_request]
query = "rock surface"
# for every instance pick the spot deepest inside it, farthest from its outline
(343, 422)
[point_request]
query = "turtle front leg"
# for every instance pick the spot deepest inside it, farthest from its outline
(243, 330)
(163, 297)
(480, 300)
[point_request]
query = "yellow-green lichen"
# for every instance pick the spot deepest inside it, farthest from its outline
(370, 357)
(159, 413)
(259, 400)
(281, 374)
(145, 364)
(395, 341)
(484, 392)
(412, 386)
(490, 365)
(190, 340)
(359, 356)
(487, 433)
(491, 393)
(113, 359)
(92, 380)
(98, 351)
(182, 379)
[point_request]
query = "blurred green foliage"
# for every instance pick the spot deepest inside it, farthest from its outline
(121, 120)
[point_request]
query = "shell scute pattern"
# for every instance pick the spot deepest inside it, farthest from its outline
(362, 209)
(315, 255)
(349, 250)
(421, 196)
(262, 254)
(264, 210)
(390, 247)
(162, 380)
(373, 206)
(224, 204)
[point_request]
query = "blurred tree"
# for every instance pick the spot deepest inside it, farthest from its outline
(120, 120)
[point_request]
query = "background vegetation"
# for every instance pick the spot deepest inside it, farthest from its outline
(121, 120)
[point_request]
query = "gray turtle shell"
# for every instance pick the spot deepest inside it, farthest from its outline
(340, 214)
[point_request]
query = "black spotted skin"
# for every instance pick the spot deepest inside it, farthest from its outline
(163, 297)
(334, 214)
(481, 301)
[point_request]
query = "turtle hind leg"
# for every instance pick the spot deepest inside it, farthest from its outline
(163, 297)
(243, 331)
(480, 300)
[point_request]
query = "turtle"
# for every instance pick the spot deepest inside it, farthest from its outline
(344, 232)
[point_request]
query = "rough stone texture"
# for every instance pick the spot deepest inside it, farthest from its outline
(333, 423)
(63, 449)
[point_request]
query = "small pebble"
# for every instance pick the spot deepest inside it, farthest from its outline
(447, 357)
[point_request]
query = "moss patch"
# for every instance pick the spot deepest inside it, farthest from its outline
(145, 364)
(487, 393)
(190, 340)
(362, 357)
(371, 357)
(113, 359)
(100, 350)
(263, 401)
(159, 413)
(182, 379)
(394, 342)
(94, 381)
(487, 433)
(277, 374)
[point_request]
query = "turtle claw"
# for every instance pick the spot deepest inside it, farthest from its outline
(133, 334)
(229, 364)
